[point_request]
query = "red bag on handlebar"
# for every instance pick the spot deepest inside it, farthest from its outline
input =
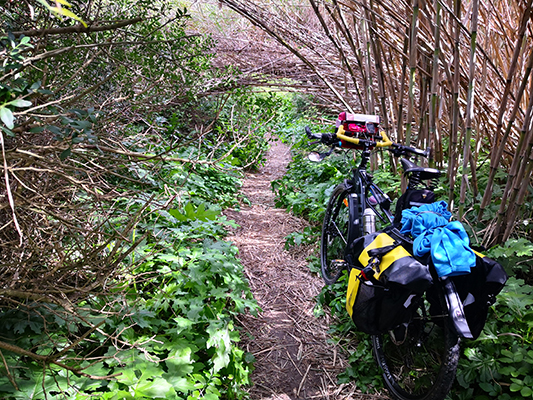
(360, 126)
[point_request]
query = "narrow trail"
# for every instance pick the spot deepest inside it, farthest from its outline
(293, 357)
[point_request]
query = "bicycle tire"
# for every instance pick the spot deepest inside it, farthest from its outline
(339, 229)
(424, 365)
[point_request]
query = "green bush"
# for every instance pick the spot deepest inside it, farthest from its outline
(499, 364)
(516, 256)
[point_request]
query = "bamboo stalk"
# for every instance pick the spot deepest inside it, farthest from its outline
(412, 71)
(423, 132)
(521, 193)
(469, 109)
(400, 127)
(368, 65)
(455, 105)
(433, 133)
(497, 144)
(376, 47)
(342, 26)
(516, 173)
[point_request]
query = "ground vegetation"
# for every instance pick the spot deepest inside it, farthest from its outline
(120, 145)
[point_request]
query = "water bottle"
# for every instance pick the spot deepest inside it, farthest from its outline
(369, 221)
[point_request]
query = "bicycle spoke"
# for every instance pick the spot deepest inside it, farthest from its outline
(423, 364)
(339, 233)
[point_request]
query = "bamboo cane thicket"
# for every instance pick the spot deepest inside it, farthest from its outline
(414, 58)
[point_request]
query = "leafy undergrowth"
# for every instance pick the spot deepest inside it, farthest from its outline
(498, 365)
(168, 333)
(165, 327)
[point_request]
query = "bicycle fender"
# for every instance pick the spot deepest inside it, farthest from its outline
(455, 309)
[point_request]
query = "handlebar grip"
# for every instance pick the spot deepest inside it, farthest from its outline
(399, 150)
(386, 142)
(419, 152)
(312, 135)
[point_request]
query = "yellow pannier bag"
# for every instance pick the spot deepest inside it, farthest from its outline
(385, 283)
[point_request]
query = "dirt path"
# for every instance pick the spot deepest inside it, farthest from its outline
(293, 358)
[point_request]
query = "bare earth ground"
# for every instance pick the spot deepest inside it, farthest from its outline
(293, 357)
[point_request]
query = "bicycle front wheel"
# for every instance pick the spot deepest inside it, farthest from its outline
(338, 230)
(420, 363)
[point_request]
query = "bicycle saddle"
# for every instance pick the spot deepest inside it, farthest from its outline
(425, 173)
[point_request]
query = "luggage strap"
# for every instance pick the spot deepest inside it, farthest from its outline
(368, 273)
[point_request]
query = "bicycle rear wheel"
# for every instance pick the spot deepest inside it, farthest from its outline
(338, 230)
(420, 364)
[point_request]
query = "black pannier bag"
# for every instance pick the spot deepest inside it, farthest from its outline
(472, 295)
(412, 198)
(478, 291)
(386, 283)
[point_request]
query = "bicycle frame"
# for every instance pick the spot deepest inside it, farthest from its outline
(363, 189)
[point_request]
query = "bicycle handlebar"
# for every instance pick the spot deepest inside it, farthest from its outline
(395, 148)
(386, 142)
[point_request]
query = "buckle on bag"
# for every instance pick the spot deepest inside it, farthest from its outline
(368, 273)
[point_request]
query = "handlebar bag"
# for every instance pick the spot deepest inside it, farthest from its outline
(358, 126)
(390, 296)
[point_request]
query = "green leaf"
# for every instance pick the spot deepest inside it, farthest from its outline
(67, 13)
(219, 338)
(526, 392)
(20, 103)
(7, 117)
(181, 384)
(487, 387)
(8, 132)
(65, 154)
(158, 389)
(190, 213)
(35, 86)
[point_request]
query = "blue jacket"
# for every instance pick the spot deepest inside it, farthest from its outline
(448, 241)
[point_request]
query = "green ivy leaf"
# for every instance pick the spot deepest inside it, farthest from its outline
(526, 392)
(220, 339)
